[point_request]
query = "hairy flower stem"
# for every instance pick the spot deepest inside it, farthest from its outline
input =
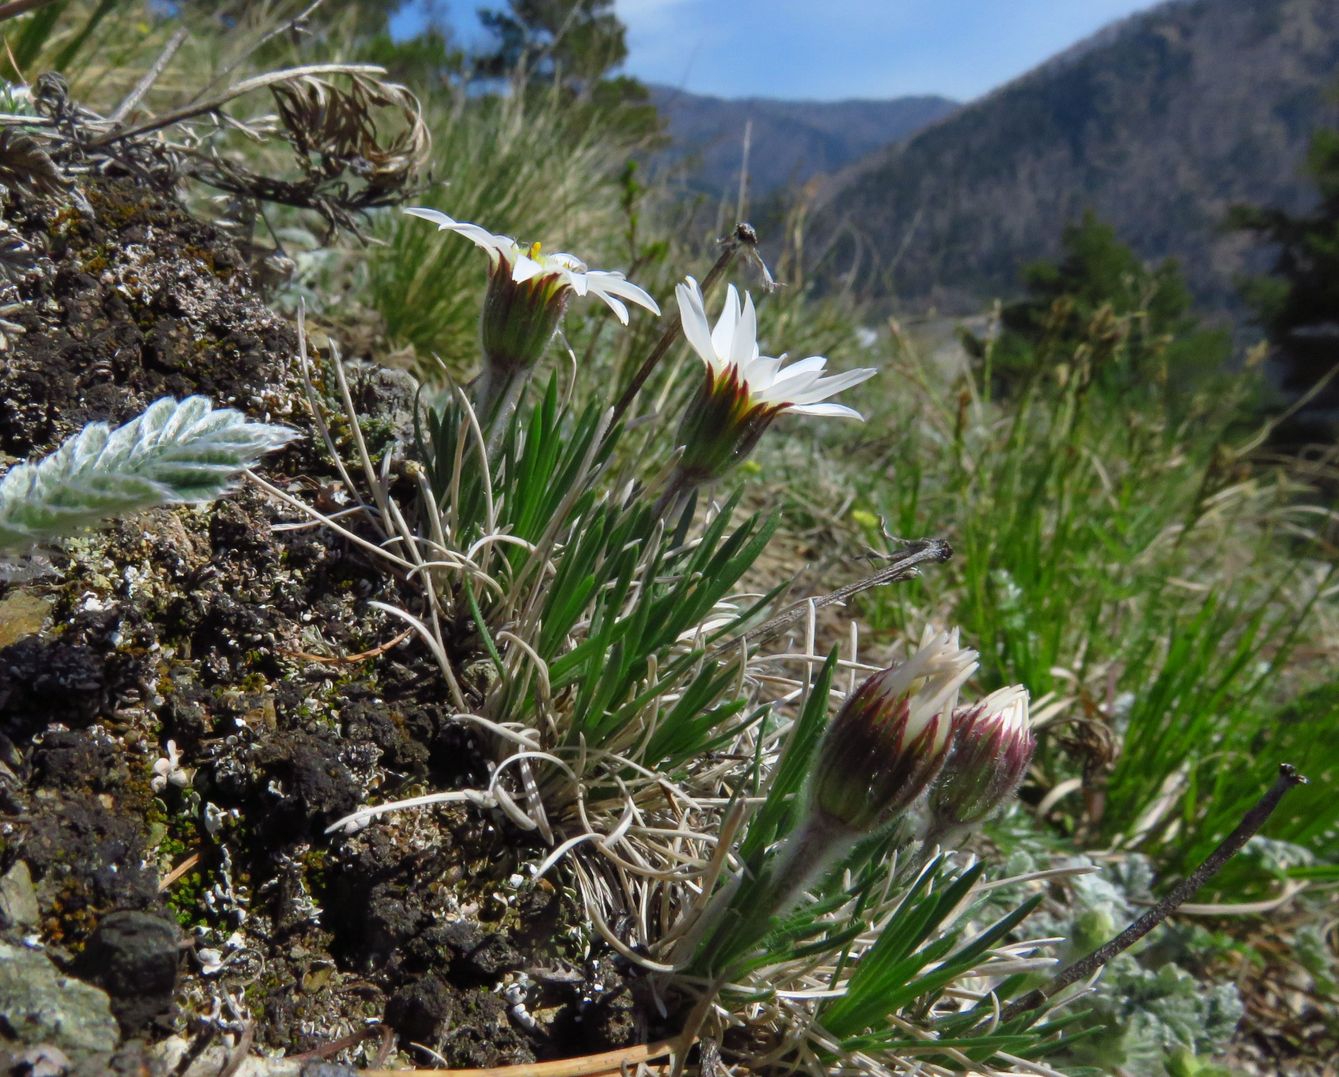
(672, 499)
(808, 854)
(734, 927)
(935, 841)
(496, 398)
(742, 236)
(1251, 822)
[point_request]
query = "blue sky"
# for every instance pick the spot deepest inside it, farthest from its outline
(830, 49)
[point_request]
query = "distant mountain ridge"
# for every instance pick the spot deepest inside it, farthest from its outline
(1158, 123)
(790, 142)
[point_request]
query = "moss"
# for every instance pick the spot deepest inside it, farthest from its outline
(185, 900)
(94, 264)
(254, 682)
(119, 206)
(314, 863)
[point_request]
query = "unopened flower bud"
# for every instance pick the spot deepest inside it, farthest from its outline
(992, 745)
(891, 737)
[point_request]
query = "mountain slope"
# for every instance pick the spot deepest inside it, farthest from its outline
(1159, 124)
(789, 141)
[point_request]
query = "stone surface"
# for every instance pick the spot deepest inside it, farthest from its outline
(133, 957)
(18, 899)
(38, 1005)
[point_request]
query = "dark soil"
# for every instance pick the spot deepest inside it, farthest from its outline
(206, 628)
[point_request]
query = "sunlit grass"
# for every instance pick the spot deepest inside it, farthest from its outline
(1169, 594)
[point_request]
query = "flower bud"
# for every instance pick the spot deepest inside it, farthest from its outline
(991, 748)
(891, 736)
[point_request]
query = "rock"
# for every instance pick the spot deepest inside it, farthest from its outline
(18, 899)
(48, 680)
(133, 957)
(492, 957)
(43, 1060)
(22, 615)
(39, 1006)
(386, 392)
(86, 854)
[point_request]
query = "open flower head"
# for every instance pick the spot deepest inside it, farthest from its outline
(743, 390)
(528, 291)
(891, 736)
(992, 745)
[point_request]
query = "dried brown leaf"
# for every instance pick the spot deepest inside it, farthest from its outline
(25, 166)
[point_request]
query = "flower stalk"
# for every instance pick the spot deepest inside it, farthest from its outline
(876, 757)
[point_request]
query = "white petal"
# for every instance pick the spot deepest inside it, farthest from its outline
(524, 268)
(436, 216)
(795, 379)
(787, 393)
(812, 366)
(565, 261)
(761, 373)
(832, 411)
(617, 307)
(826, 387)
(578, 282)
(619, 285)
(723, 336)
(744, 347)
(480, 237)
(693, 315)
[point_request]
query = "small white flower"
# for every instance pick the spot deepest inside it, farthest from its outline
(169, 771)
(528, 262)
(733, 343)
(743, 391)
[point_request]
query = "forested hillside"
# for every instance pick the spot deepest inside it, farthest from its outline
(789, 141)
(1159, 125)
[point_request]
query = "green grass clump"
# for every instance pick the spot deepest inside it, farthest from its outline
(1125, 556)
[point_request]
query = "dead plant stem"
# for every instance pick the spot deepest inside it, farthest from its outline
(1251, 822)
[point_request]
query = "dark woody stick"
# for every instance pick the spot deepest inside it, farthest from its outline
(1251, 822)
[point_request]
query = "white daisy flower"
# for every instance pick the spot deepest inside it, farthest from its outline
(743, 390)
(527, 263)
(799, 387)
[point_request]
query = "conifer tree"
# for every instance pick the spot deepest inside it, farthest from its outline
(1298, 304)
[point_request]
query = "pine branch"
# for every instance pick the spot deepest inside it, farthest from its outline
(175, 452)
